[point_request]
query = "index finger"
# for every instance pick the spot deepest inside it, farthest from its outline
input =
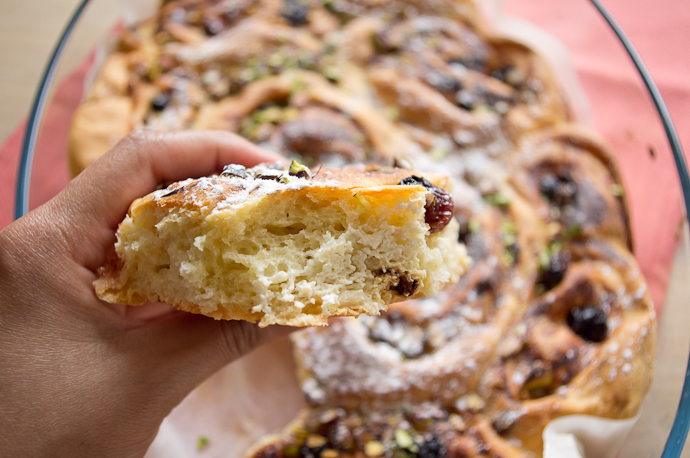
(96, 201)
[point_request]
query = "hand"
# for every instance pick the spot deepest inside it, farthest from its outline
(79, 377)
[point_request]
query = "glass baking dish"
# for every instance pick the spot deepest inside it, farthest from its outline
(663, 424)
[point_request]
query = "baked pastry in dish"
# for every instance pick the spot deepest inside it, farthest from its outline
(552, 317)
(285, 247)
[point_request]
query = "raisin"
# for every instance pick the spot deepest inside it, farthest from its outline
(406, 286)
(431, 448)
(485, 285)
(464, 232)
(294, 12)
(160, 101)
(465, 100)
(505, 421)
(554, 272)
(442, 82)
(311, 452)
(501, 73)
(588, 322)
(302, 174)
(213, 26)
(558, 189)
(548, 185)
(439, 211)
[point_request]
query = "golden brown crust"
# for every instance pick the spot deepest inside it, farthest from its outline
(374, 208)
(96, 127)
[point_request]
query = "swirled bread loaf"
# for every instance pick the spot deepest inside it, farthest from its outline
(552, 318)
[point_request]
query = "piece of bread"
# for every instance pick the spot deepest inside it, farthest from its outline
(283, 247)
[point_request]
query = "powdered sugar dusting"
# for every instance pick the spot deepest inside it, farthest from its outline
(255, 183)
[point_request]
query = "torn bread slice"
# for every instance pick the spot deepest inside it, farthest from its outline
(282, 247)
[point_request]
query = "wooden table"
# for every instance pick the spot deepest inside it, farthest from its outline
(28, 32)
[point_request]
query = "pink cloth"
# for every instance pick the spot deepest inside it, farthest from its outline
(622, 112)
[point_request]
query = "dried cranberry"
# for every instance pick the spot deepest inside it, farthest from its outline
(160, 101)
(554, 272)
(439, 211)
(294, 12)
(588, 322)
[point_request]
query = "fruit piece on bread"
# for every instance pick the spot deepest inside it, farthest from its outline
(284, 247)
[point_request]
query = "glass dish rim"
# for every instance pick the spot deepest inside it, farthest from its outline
(681, 423)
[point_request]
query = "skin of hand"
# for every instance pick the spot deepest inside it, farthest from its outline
(79, 377)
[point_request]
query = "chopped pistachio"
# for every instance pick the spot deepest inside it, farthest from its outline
(470, 402)
(539, 289)
(373, 449)
(617, 190)
(297, 85)
(290, 113)
(544, 258)
(573, 231)
(457, 422)
(298, 170)
(201, 443)
(291, 451)
(508, 226)
(521, 329)
(555, 212)
(552, 229)
(392, 113)
(508, 257)
(363, 203)
(403, 438)
(555, 247)
(539, 383)
(275, 60)
(273, 115)
(497, 199)
(438, 154)
(305, 60)
(508, 239)
(376, 43)
(331, 73)
(473, 225)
